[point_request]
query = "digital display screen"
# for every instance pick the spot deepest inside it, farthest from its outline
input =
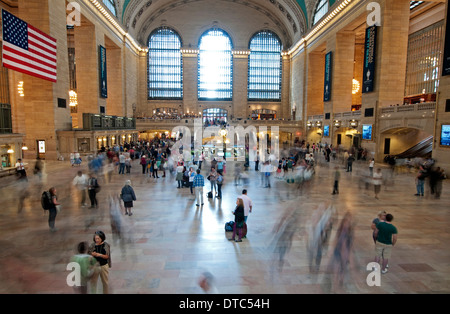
(367, 132)
(326, 130)
(445, 135)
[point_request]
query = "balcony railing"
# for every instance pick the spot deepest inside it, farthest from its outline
(425, 106)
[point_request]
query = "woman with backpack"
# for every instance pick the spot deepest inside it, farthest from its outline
(52, 211)
(128, 196)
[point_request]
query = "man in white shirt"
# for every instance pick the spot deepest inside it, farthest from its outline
(248, 205)
(80, 182)
(20, 167)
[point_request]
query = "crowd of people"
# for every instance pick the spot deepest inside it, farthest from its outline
(296, 167)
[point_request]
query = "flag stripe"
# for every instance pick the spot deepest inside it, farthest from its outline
(10, 49)
(43, 35)
(32, 64)
(35, 40)
(36, 47)
(26, 70)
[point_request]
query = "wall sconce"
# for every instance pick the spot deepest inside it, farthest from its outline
(318, 123)
(337, 123)
(354, 123)
(20, 89)
(308, 124)
(24, 147)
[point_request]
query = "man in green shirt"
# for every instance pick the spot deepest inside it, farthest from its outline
(386, 235)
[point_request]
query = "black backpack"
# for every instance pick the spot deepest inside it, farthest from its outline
(46, 200)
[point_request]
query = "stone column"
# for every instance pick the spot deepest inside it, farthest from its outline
(41, 115)
(86, 56)
(285, 107)
(114, 102)
(316, 68)
(342, 73)
(190, 88)
(240, 86)
(390, 67)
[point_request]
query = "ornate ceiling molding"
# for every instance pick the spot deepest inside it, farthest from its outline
(142, 31)
(286, 15)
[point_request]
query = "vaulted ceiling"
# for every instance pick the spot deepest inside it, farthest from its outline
(289, 18)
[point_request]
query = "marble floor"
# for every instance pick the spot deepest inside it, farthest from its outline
(169, 242)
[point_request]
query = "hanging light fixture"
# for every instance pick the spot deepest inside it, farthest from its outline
(73, 98)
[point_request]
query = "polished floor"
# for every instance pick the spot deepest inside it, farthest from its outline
(169, 242)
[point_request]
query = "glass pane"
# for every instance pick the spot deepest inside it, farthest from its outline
(424, 58)
(165, 65)
(264, 73)
(321, 10)
(111, 6)
(215, 66)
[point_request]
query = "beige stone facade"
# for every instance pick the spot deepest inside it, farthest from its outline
(38, 117)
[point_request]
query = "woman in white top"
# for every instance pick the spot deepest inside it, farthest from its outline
(371, 164)
(377, 180)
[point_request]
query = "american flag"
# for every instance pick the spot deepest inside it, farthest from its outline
(27, 49)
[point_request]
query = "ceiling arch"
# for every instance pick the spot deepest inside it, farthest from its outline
(286, 17)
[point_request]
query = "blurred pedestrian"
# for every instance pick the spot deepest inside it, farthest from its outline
(371, 165)
(20, 169)
(377, 181)
(219, 185)
(101, 250)
(350, 161)
(87, 265)
(380, 217)
(337, 176)
(206, 282)
(248, 204)
(128, 196)
(93, 188)
(199, 183)
(81, 182)
(52, 211)
(441, 177)
(238, 225)
(343, 252)
(386, 235)
(420, 181)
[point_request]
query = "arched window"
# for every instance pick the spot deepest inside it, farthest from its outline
(321, 10)
(264, 67)
(215, 64)
(111, 5)
(165, 75)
